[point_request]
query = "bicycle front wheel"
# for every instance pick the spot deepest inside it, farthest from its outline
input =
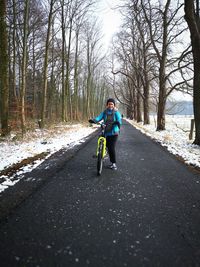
(99, 161)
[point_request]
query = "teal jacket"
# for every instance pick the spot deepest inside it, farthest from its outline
(117, 117)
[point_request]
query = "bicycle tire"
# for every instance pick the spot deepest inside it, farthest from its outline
(100, 160)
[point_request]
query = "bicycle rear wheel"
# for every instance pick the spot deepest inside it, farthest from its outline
(100, 160)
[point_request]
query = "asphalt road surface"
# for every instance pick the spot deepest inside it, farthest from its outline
(147, 213)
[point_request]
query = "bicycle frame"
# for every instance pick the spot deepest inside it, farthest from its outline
(102, 140)
(101, 149)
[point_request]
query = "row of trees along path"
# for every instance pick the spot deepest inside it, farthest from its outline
(53, 67)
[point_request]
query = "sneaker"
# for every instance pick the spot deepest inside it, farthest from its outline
(113, 166)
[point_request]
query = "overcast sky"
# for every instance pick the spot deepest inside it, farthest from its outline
(110, 18)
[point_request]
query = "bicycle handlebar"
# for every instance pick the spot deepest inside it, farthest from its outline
(103, 124)
(96, 122)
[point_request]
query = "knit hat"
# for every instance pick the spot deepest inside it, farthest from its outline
(110, 100)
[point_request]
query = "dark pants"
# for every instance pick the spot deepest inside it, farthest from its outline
(110, 143)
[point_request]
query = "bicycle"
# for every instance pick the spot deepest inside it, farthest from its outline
(101, 147)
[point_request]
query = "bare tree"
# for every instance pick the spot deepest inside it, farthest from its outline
(37, 31)
(24, 65)
(79, 21)
(162, 21)
(3, 70)
(63, 27)
(13, 38)
(45, 68)
(193, 20)
(129, 52)
(93, 59)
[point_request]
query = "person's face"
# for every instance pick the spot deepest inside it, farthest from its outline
(110, 105)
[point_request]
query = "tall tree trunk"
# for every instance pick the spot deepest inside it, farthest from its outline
(10, 79)
(51, 88)
(88, 82)
(146, 104)
(68, 94)
(162, 100)
(45, 69)
(4, 70)
(75, 102)
(14, 51)
(146, 90)
(16, 96)
(88, 89)
(139, 113)
(162, 72)
(64, 102)
(24, 64)
(139, 100)
(193, 21)
(133, 103)
(33, 103)
(84, 102)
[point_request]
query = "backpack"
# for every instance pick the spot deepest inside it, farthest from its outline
(109, 120)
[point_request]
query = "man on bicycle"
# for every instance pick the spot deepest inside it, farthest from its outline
(112, 119)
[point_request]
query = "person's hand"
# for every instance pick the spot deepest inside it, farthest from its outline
(91, 121)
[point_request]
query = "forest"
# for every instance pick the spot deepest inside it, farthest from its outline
(54, 68)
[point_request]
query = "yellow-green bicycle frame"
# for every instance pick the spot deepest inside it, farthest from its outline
(103, 140)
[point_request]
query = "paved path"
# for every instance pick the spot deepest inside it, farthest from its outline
(147, 213)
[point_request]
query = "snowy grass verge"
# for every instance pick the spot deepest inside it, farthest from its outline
(175, 138)
(45, 142)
